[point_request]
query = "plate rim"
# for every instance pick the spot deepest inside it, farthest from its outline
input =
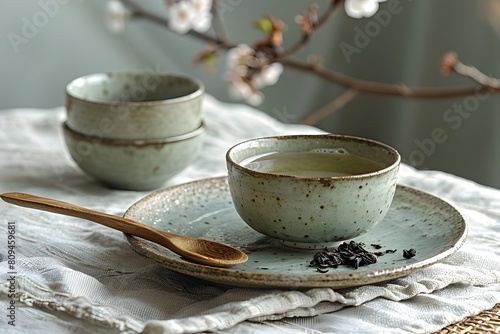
(233, 277)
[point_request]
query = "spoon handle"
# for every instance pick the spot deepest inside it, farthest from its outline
(51, 205)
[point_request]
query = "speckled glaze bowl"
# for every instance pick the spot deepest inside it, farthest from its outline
(312, 212)
(133, 164)
(134, 105)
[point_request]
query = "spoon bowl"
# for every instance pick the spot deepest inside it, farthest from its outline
(198, 250)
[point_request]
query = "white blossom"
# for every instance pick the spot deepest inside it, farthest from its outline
(247, 73)
(268, 76)
(238, 58)
(241, 90)
(202, 6)
(203, 22)
(361, 8)
(180, 16)
(185, 15)
(116, 16)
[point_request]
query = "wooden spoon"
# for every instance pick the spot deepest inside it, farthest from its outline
(197, 250)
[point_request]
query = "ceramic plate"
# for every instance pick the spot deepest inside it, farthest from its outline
(204, 209)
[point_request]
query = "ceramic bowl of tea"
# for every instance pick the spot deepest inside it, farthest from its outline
(312, 191)
(133, 164)
(134, 105)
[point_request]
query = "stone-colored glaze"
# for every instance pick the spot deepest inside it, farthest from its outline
(134, 105)
(204, 208)
(133, 164)
(312, 212)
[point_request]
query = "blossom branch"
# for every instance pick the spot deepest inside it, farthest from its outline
(254, 68)
(138, 12)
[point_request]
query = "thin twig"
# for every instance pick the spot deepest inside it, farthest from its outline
(476, 75)
(139, 13)
(365, 86)
(332, 106)
(300, 44)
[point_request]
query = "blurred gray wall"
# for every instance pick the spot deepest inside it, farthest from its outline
(430, 134)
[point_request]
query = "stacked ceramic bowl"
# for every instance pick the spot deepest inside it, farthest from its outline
(134, 130)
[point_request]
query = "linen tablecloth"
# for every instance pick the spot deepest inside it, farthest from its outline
(66, 275)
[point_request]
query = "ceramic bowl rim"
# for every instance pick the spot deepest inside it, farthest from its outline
(255, 173)
(135, 142)
(197, 93)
